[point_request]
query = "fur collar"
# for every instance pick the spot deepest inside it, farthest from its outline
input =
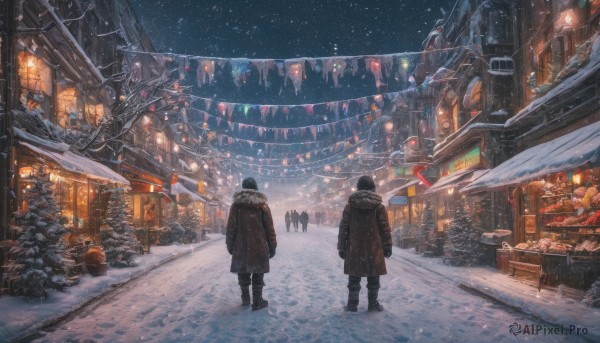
(249, 197)
(364, 199)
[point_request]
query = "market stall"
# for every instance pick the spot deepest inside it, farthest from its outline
(556, 207)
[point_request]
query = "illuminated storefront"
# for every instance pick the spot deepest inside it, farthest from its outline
(80, 184)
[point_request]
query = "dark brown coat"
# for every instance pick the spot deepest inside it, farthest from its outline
(364, 233)
(250, 232)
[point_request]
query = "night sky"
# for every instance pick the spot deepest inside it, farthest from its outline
(286, 29)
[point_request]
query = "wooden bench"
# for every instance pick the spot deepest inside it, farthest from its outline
(534, 269)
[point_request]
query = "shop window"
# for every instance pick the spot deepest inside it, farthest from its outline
(98, 206)
(82, 208)
(150, 210)
(94, 113)
(34, 74)
(499, 30)
(68, 107)
(65, 194)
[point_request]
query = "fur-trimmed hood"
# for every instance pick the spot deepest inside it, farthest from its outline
(249, 197)
(364, 199)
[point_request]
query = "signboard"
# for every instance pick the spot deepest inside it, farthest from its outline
(412, 190)
(529, 223)
(465, 161)
(401, 171)
(398, 201)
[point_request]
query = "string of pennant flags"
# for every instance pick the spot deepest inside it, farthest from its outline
(293, 69)
(342, 153)
(390, 65)
(211, 122)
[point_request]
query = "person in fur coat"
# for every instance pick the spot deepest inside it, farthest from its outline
(251, 241)
(364, 240)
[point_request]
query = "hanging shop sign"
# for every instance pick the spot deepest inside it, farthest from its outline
(401, 171)
(468, 160)
(398, 200)
(412, 190)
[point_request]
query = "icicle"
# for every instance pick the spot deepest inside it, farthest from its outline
(263, 67)
(313, 130)
(280, 69)
(205, 117)
(375, 66)
(309, 109)
(246, 108)
(274, 110)
(207, 104)
(354, 62)
(161, 62)
(238, 70)
(387, 63)
(312, 63)
(263, 115)
(229, 109)
(182, 64)
(285, 133)
(218, 121)
(336, 66)
(206, 68)
(295, 72)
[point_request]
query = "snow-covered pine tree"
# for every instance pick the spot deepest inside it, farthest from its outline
(40, 248)
(191, 221)
(462, 246)
(592, 296)
(118, 235)
(191, 217)
(427, 226)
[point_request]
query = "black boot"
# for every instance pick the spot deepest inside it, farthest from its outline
(374, 305)
(353, 300)
(353, 292)
(245, 295)
(257, 301)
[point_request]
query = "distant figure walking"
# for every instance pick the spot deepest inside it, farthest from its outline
(318, 216)
(364, 240)
(304, 221)
(288, 221)
(251, 241)
(295, 217)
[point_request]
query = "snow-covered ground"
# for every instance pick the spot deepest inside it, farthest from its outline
(196, 299)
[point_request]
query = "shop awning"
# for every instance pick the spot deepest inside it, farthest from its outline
(78, 164)
(570, 151)
(387, 196)
(457, 180)
(179, 189)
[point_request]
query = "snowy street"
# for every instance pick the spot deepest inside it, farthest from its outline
(196, 299)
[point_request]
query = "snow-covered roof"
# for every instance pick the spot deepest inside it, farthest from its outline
(58, 146)
(567, 152)
(78, 164)
(178, 189)
(592, 67)
(457, 179)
